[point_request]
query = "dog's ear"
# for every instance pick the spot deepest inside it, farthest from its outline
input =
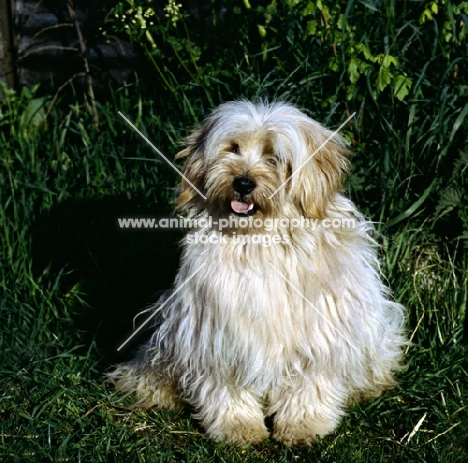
(193, 171)
(319, 172)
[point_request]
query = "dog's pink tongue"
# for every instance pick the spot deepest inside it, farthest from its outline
(240, 207)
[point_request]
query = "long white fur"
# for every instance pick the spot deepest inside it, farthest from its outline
(292, 330)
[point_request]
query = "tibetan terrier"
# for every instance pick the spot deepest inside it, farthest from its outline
(278, 309)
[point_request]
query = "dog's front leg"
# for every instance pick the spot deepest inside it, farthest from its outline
(230, 414)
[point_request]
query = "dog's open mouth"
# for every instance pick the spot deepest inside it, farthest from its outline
(242, 207)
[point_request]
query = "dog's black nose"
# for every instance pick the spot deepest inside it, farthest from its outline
(243, 185)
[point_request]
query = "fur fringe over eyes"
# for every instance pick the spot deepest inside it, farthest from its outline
(292, 330)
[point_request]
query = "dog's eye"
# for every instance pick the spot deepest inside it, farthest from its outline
(272, 161)
(234, 148)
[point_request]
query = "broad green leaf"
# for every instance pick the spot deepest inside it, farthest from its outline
(360, 47)
(311, 27)
(353, 70)
(401, 86)
(384, 79)
(389, 60)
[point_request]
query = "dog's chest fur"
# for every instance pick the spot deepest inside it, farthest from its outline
(251, 307)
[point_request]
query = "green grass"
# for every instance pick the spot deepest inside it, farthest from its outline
(71, 281)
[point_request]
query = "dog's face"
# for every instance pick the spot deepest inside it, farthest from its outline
(261, 159)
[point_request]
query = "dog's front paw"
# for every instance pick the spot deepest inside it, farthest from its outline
(301, 432)
(152, 388)
(234, 416)
(240, 433)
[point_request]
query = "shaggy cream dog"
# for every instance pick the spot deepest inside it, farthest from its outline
(278, 308)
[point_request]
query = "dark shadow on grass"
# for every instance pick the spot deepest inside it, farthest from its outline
(118, 272)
